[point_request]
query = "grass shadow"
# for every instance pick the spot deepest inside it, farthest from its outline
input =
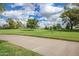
(27, 29)
(2, 41)
(68, 30)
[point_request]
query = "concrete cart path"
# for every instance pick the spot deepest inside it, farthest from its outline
(44, 46)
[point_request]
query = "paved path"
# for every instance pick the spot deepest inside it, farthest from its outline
(44, 46)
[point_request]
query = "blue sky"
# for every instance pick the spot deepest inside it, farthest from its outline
(8, 6)
(40, 11)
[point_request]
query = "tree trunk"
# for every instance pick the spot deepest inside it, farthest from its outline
(71, 22)
(71, 27)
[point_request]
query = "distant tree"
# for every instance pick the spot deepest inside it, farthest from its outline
(12, 23)
(50, 28)
(57, 27)
(32, 23)
(77, 4)
(73, 14)
(47, 28)
(18, 24)
(5, 26)
(66, 7)
(1, 7)
(54, 27)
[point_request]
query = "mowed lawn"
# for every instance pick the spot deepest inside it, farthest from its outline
(73, 36)
(8, 49)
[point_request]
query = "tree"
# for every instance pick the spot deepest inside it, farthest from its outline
(46, 28)
(73, 14)
(19, 24)
(12, 23)
(32, 23)
(57, 27)
(54, 27)
(1, 7)
(5, 26)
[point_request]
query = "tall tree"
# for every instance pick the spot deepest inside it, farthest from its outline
(12, 23)
(32, 23)
(1, 8)
(73, 14)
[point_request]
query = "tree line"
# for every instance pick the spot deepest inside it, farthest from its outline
(31, 23)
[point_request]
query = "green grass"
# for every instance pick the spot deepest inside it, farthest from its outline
(8, 49)
(72, 36)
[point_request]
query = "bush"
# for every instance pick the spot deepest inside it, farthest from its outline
(50, 28)
(54, 27)
(46, 28)
(57, 27)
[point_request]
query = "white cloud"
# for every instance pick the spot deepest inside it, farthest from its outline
(12, 13)
(17, 13)
(28, 9)
(47, 10)
(23, 17)
(51, 12)
(19, 4)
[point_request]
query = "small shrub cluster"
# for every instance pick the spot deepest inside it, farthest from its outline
(54, 27)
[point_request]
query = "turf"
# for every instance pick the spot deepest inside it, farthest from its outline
(72, 36)
(8, 49)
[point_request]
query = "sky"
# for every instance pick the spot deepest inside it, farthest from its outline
(16, 10)
(44, 12)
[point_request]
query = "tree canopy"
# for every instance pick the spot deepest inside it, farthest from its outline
(73, 14)
(1, 7)
(32, 23)
(12, 23)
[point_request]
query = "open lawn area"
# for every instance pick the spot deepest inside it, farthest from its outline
(8, 49)
(73, 36)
